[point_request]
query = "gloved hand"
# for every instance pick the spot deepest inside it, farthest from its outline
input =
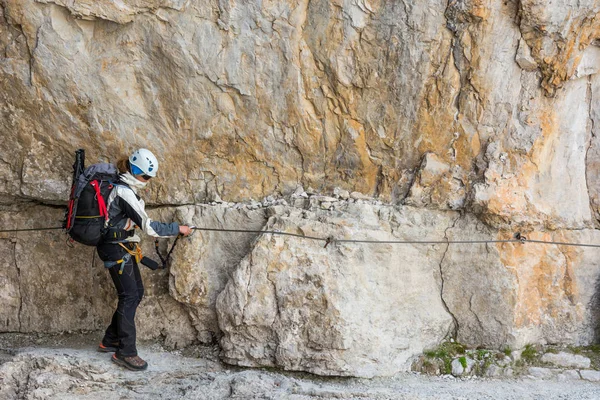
(150, 263)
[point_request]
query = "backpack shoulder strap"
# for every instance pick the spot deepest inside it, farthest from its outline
(123, 184)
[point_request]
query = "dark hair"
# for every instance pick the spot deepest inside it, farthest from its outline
(123, 165)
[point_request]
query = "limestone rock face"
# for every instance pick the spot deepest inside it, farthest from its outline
(348, 309)
(436, 185)
(120, 12)
(249, 99)
(520, 293)
(567, 360)
(50, 287)
(255, 99)
(461, 120)
(294, 304)
(560, 36)
(201, 265)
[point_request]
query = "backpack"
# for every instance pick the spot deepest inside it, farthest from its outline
(87, 214)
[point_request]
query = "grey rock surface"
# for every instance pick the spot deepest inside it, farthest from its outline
(569, 375)
(567, 360)
(542, 373)
(588, 375)
(201, 264)
(82, 373)
(483, 116)
(58, 288)
(458, 369)
(494, 371)
(348, 309)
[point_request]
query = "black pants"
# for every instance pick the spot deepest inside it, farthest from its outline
(130, 290)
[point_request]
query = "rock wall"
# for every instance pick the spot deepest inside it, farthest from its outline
(457, 120)
(348, 309)
(50, 287)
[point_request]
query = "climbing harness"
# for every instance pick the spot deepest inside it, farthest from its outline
(136, 253)
(122, 261)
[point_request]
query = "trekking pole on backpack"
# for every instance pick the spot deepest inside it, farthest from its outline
(78, 168)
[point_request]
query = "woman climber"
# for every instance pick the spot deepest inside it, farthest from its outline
(121, 253)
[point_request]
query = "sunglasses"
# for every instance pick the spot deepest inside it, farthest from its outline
(146, 177)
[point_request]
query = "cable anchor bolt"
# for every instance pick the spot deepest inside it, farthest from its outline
(329, 240)
(520, 237)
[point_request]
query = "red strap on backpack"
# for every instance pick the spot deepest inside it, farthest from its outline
(101, 203)
(70, 218)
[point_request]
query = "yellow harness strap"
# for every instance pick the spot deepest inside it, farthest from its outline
(137, 253)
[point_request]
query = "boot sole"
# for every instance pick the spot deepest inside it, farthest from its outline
(106, 349)
(127, 365)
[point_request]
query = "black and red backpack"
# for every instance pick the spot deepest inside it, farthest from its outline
(87, 215)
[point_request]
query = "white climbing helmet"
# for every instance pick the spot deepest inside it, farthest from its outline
(143, 162)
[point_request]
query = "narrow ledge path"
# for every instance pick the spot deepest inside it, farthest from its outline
(55, 370)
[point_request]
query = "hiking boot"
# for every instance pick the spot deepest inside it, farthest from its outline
(134, 363)
(110, 348)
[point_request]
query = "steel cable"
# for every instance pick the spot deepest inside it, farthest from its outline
(30, 229)
(328, 240)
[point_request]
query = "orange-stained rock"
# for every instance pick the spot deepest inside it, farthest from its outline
(475, 119)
